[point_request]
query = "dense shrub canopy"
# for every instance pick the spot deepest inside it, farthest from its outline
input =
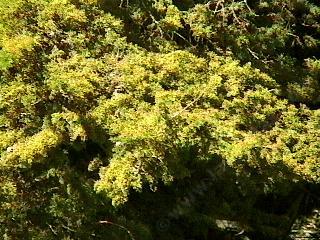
(160, 117)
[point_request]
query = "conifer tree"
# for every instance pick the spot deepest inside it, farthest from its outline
(158, 119)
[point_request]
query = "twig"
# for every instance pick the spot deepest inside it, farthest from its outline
(121, 3)
(118, 225)
(154, 20)
(66, 227)
(245, 1)
(253, 53)
(189, 105)
(216, 9)
(234, 14)
(296, 37)
(182, 37)
(240, 233)
(52, 230)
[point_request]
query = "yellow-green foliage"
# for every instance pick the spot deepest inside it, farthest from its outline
(198, 19)
(32, 149)
(137, 93)
(18, 100)
(172, 20)
(68, 14)
(178, 94)
(70, 122)
(77, 77)
(7, 138)
(16, 45)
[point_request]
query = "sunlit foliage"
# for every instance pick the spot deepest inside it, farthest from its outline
(115, 110)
